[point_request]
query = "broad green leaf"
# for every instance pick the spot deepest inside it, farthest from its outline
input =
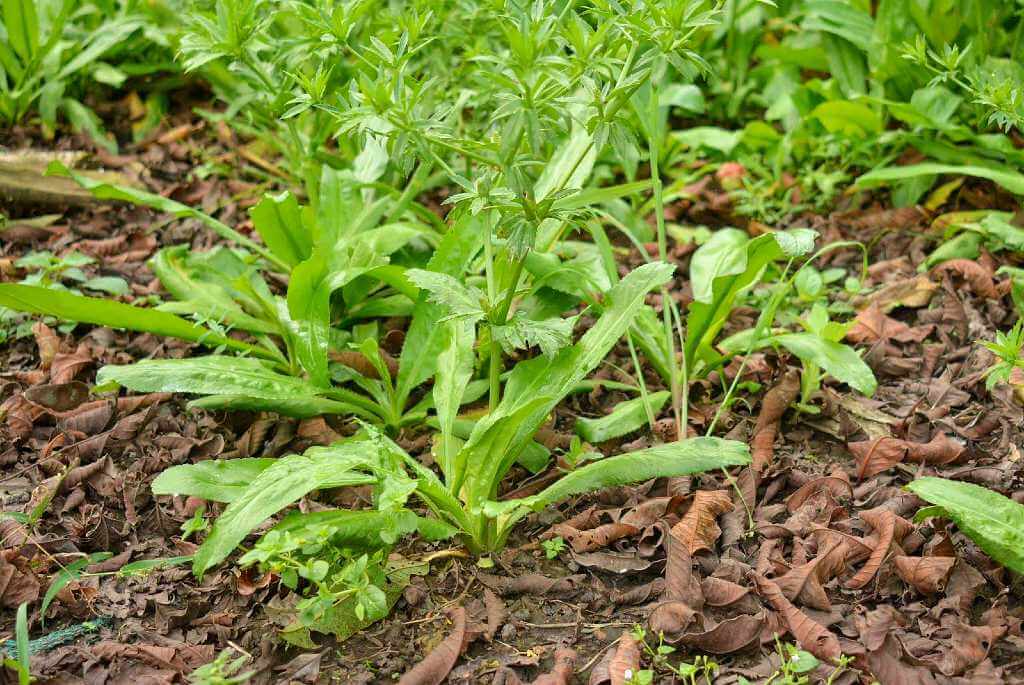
(216, 480)
(849, 118)
(100, 312)
(182, 274)
(363, 530)
(1007, 178)
(278, 220)
(841, 19)
(211, 375)
(521, 332)
(837, 359)
(994, 522)
(284, 482)
(454, 371)
(628, 416)
(107, 191)
(673, 459)
(534, 387)
(732, 268)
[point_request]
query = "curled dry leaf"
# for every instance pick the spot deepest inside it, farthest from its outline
(671, 618)
(805, 583)
(731, 635)
(639, 594)
(973, 272)
(774, 405)
(872, 325)
(47, 342)
(679, 581)
(719, 592)
(734, 522)
(698, 529)
(838, 485)
(811, 635)
(880, 454)
(435, 666)
(927, 575)
(626, 660)
(496, 613)
(885, 529)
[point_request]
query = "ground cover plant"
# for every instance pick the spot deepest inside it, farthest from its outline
(511, 341)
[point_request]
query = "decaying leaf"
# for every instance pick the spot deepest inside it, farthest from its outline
(809, 634)
(698, 529)
(774, 405)
(626, 660)
(435, 666)
(927, 574)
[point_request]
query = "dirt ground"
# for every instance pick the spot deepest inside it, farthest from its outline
(829, 553)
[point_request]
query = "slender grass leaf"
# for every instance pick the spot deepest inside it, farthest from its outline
(107, 191)
(144, 567)
(994, 522)
(99, 312)
(67, 574)
(1007, 178)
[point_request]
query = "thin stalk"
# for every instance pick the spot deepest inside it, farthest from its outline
(653, 152)
(494, 369)
(646, 399)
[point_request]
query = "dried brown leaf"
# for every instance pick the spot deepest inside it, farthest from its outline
(699, 529)
(810, 635)
(435, 666)
(774, 405)
(928, 575)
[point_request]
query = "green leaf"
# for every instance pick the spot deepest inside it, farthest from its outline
(521, 332)
(286, 481)
(672, 459)
(67, 574)
(99, 312)
(424, 338)
(627, 417)
(837, 359)
(22, 24)
(1007, 178)
(146, 566)
(454, 371)
(216, 480)
(21, 639)
(202, 285)
(278, 220)
(995, 523)
(848, 118)
(731, 268)
(210, 375)
(363, 530)
(460, 301)
(107, 191)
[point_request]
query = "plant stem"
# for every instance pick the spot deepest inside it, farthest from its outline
(494, 372)
(653, 152)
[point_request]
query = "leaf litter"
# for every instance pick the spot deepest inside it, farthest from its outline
(814, 543)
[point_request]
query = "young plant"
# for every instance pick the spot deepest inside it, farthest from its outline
(1009, 350)
(222, 671)
(465, 495)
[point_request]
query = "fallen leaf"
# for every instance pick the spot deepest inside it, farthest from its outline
(974, 274)
(880, 454)
(872, 325)
(698, 529)
(626, 660)
(58, 397)
(927, 574)
(809, 634)
(774, 405)
(563, 670)
(435, 666)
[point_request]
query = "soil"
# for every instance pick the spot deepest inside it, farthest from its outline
(829, 554)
